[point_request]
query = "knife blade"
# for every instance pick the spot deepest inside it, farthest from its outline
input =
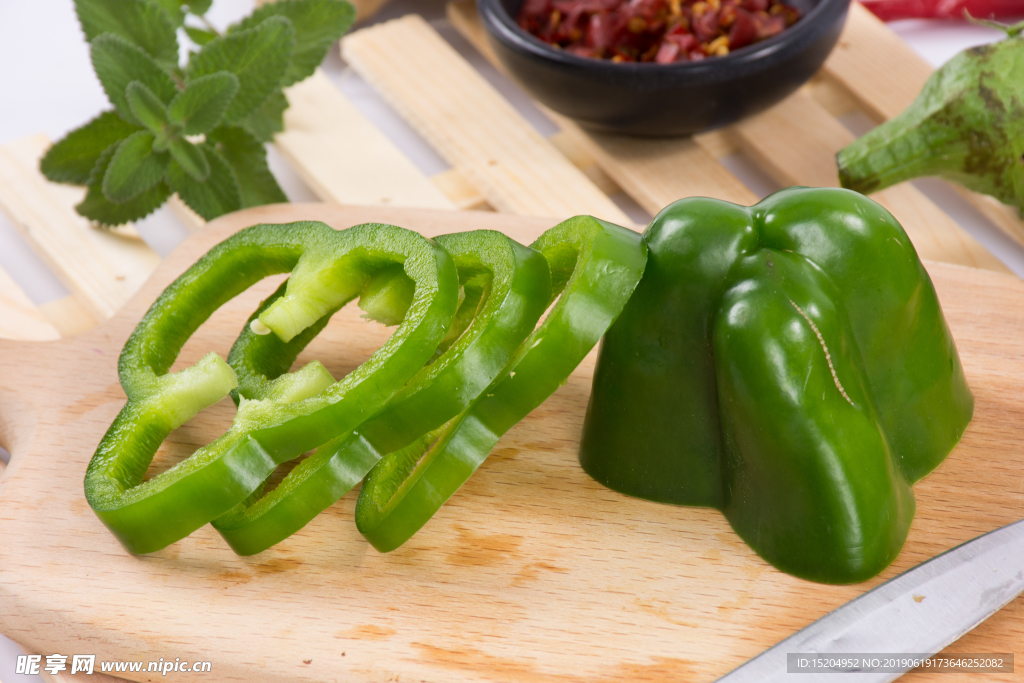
(921, 611)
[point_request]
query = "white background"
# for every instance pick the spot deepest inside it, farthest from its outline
(47, 85)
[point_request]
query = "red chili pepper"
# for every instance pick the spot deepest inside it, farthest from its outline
(890, 10)
(743, 31)
(767, 25)
(687, 42)
(660, 31)
(667, 53)
(705, 25)
(600, 32)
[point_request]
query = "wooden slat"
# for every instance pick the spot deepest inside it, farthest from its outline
(191, 220)
(1006, 218)
(796, 141)
(460, 191)
(343, 157)
(104, 268)
(885, 75)
(367, 8)
(658, 172)
(655, 172)
(876, 65)
(19, 318)
(69, 315)
(830, 94)
(720, 143)
(579, 152)
(470, 123)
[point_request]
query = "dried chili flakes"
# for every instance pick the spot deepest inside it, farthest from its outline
(661, 31)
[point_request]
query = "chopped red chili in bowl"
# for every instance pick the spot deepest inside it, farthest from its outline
(661, 31)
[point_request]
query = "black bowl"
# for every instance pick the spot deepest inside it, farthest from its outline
(665, 99)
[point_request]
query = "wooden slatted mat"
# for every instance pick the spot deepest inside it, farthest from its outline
(499, 162)
(19, 318)
(471, 124)
(795, 142)
(654, 172)
(343, 157)
(102, 267)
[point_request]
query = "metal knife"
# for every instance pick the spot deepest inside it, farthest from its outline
(922, 610)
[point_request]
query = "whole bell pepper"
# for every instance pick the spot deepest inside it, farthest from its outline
(788, 364)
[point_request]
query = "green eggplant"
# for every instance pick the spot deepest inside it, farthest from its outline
(967, 125)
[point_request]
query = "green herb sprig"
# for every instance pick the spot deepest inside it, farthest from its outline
(197, 130)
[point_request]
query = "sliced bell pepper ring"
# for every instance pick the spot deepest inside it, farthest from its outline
(595, 267)
(506, 289)
(328, 268)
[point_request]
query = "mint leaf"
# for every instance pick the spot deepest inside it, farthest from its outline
(248, 159)
(201, 105)
(268, 119)
(72, 159)
(258, 56)
(318, 24)
(199, 36)
(98, 208)
(144, 23)
(183, 7)
(174, 10)
(199, 7)
(118, 62)
(134, 168)
(147, 107)
(190, 158)
(215, 197)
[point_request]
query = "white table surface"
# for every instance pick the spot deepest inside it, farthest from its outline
(47, 85)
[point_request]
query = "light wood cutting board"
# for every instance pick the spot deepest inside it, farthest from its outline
(532, 572)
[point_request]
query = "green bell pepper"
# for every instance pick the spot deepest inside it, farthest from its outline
(506, 288)
(788, 364)
(595, 267)
(328, 268)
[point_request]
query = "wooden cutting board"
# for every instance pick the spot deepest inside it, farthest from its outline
(532, 572)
